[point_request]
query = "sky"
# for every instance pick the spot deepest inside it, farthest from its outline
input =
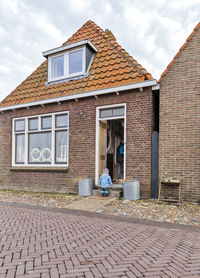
(152, 31)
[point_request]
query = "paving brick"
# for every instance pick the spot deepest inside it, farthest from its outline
(20, 269)
(130, 274)
(54, 273)
(11, 273)
(45, 275)
(29, 266)
(89, 275)
(96, 272)
(76, 246)
(61, 268)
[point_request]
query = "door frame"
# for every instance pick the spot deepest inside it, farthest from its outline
(98, 108)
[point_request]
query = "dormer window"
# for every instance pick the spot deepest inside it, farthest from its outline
(69, 61)
(66, 65)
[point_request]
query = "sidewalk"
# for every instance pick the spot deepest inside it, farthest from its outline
(92, 203)
(141, 209)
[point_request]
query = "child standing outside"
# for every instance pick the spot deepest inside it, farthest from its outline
(105, 182)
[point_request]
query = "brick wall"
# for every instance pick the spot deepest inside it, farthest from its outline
(82, 131)
(180, 120)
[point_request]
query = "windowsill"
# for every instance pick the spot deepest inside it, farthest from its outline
(66, 78)
(38, 169)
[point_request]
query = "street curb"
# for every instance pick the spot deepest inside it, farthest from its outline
(105, 216)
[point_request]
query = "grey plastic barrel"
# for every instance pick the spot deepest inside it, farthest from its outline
(85, 187)
(132, 190)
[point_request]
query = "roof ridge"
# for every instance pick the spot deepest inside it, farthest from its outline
(82, 27)
(124, 53)
(127, 56)
(180, 50)
(115, 45)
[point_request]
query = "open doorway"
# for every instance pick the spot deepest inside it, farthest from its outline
(115, 148)
(110, 143)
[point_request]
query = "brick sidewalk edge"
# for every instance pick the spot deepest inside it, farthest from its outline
(104, 216)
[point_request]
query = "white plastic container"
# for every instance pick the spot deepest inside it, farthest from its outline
(85, 187)
(132, 190)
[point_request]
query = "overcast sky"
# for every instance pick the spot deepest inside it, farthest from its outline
(152, 31)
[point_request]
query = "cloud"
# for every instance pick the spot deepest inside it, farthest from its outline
(11, 6)
(151, 31)
(4, 69)
(79, 6)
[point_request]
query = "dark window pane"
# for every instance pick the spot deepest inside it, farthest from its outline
(33, 124)
(19, 125)
(104, 113)
(75, 61)
(46, 122)
(89, 55)
(112, 112)
(40, 148)
(61, 147)
(62, 120)
(57, 66)
(20, 148)
(118, 111)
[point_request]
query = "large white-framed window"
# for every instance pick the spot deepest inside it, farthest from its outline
(41, 140)
(67, 64)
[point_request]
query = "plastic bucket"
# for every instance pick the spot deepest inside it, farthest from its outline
(132, 190)
(85, 187)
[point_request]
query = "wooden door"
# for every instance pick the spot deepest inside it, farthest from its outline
(102, 146)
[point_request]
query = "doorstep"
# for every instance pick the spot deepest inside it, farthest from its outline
(115, 191)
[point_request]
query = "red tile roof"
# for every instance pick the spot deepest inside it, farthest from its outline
(112, 66)
(180, 50)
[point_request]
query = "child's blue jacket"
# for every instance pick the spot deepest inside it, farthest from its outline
(105, 181)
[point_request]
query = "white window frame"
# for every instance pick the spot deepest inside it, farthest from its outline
(27, 132)
(50, 67)
(66, 64)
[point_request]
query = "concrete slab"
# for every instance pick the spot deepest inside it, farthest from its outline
(112, 193)
(91, 204)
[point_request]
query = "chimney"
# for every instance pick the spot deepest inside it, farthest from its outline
(110, 34)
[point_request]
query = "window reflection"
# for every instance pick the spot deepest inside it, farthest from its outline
(57, 66)
(40, 147)
(75, 61)
(20, 148)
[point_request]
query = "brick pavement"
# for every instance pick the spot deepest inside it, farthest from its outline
(41, 242)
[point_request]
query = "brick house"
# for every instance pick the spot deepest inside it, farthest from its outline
(179, 130)
(66, 120)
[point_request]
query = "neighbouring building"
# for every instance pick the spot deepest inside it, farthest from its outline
(179, 136)
(66, 120)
